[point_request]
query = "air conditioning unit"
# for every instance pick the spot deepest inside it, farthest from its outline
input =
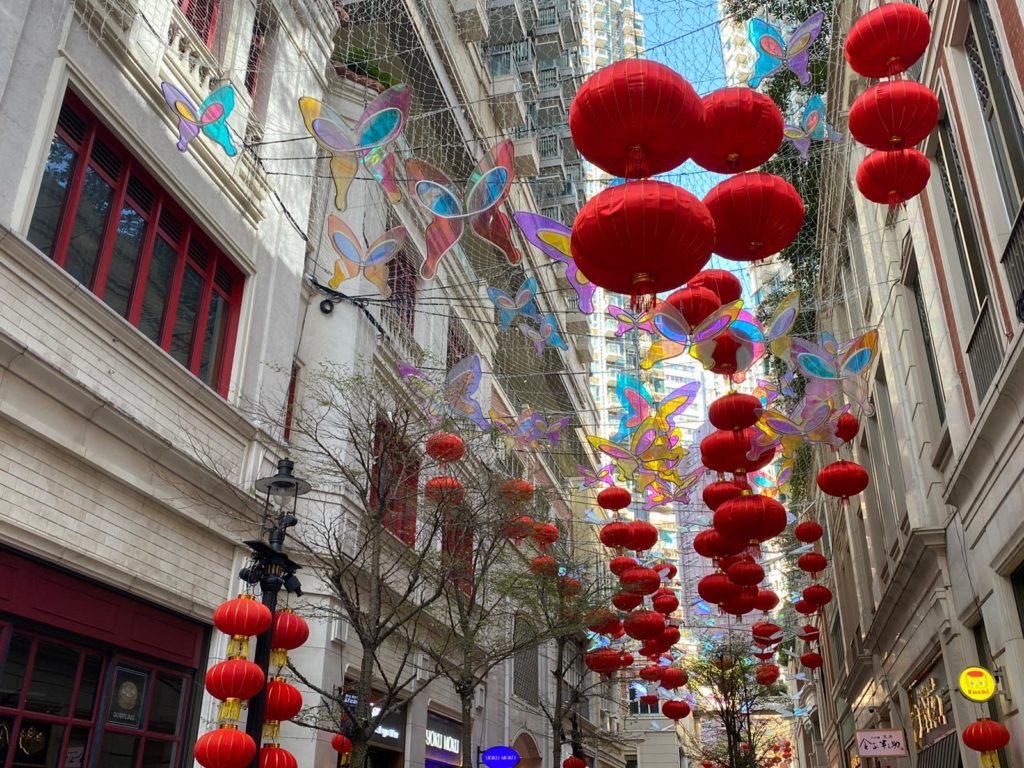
(479, 697)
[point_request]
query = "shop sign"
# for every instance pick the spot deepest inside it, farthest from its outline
(388, 732)
(977, 684)
(881, 743)
(928, 707)
(500, 757)
(444, 739)
(128, 696)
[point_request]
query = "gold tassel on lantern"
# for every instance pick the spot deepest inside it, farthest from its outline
(271, 731)
(238, 647)
(230, 710)
(278, 657)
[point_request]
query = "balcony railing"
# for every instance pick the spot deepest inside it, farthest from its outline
(547, 17)
(984, 350)
(549, 147)
(501, 64)
(548, 78)
(1013, 263)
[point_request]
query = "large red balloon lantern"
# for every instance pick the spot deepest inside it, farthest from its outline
(988, 737)
(812, 562)
(225, 747)
(735, 410)
(724, 284)
(641, 581)
(627, 601)
(743, 603)
(811, 660)
(673, 677)
(644, 625)
(887, 40)
(718, 588)
(847, 427)
(729, 451)
(614, 498)
(241, 618)
(893, 178)
(894, 115)
(750, 518)
(642, 535)
(808, 531)
(616, 534)
(694, 303)
(275, 756)
(766, 600)
(756, 215)
(842, 479)
(746, 573)
(619, 565)
(766, 674)
(716, 494)
(818, 594)
(665, 601)
(444, 447)
(675, 709)
(742, 130)
(234, 681)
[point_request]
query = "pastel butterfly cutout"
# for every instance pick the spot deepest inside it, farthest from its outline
(530, 429)
(627, 321)
(488, 187)
(770, 483)
(660, 494)
(638, 406)
(846, 366)
(511, 307)
(767, 391)
(543, 334)
(747, 353)
(210, 118)
(366, 143)
(775, 334)
(600, 476)
(374, 261)
(677, 334)
(813, 127)
(774, 52)
(551, 238)
(456, 399)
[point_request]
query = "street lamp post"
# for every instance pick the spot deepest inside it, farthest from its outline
(273, 570)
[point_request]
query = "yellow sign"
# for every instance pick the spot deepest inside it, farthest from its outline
(977, 684)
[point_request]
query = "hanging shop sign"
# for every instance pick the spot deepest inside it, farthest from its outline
(128, 697)
(390, 730)
(881, 743)
(928, 706)
(444, 739)
(500, 757)
(977, 684)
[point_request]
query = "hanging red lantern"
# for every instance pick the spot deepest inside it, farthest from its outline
(764, 655)
(600, 620)
(673, 677)
(675, 709)
(444, 489)
(887, 40)
(603, 661)
(894, 115)
(341, 744)
(649, 699)
(574, 762)
(766, 600)
(275, 756)
(640, 581)
(894, 177)
(842, 479)
(544, 534)
(988, 737)
(719, 544)
(693, 303)
(241, 618)
(651, 673)
(632, 118)
(283, 700)
(619, 565)
(757, 518)
(625, 659)
(519, 528)
(718, 493)
(642, 535)
(718, 588)
(234, 681)
(812, 562)
(742, 130)
(444, 447)
(756, 215)
(665, 602)
(626, 601)
(811, 660)
(805, 606)
(290, 632)
(517, 491)
(847, 427)
(616, 534)
(766, 630)
(766, 674)
(643, 624)
(818, 594)
(727, 562)
(642, 238)
(808, 531)
(226, 747)
(734, 410)
(727, 451)
(742, 604)
(544, 565)
(569, 586)
(808, 633)
(746, 573)
(670, 635)
(724, 284)
(666, 570)
(614, 497)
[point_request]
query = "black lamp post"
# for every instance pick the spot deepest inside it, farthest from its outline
(273, 570)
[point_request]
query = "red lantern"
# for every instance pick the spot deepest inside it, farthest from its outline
(619, 565)
(742, 604)
(625, 660)
(651, 673)
(226, 747)
(727, 451)
(666, 232)
(601, 619)
(603, 661)
(574, 762)
(283, 700)
(649, 699)
(812, 562)
(569, 586)
(808, 531)
(519, 528)
(887, 40)
(766, 674)
(641, 581)
(805, 606)
(716, 494)
(724, 284)
(694, 303)
(626, 601)
(842, 479)
(717, 588)
(764, 655)
(766, 630)
(892, 178)
(517, 491)
(290, 632)
(614, 498)
(894, 115)
(341, 744)
(742, 130)
(717, 543)
(274, 756)
(986, 735)
(735, 410)
(642, 535)
(243, 616)
(665, 602)
(746, 573)
(616, 534)
(444, 489)
(766, 600)
(234, 681)
(818, 594)
(756, 518)
(643, 624)
(631, 119)
(847, 427)
(544, 565)
(444, 447)
(673, 677)
(811, 660)
(675, 710)
(544, 534)
(666, 570)
(809, 633)
(670, 635)
(756, 215)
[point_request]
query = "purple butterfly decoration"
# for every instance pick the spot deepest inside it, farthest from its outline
(552, 239)
(627, 321)
(457, 398)
(603, 476)
(774, 52)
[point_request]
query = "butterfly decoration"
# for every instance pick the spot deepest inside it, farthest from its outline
(489, 185)
(767, 391)
(627, 321)
(544, 334)
(648, 451)
(367, 143)
(659, 493)
(771, 483)
(601, 476)
(552, 239)
(677, 335)
(812, 421)
(834, 366)
(209, 119)
(774, 52)
(511, 307)
(638, 405)
(747, 353)
(373, 261)
(775, 334)
(530, 429)
(813, 127)
(456, 399)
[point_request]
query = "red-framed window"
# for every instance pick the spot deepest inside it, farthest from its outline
(396, 475)
(202, 15)
(103, 219)
(261, 33)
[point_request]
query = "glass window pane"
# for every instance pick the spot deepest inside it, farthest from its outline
(213, 340)
(78, 748)
(158, 754)
(38, 744)
(131, 231)
(88, 687)
(184, 323)
(158, 286)
(6, 726)
(13, 671)
(120, 750)
(52, 679)
(167, 700)
(90, 223)
(56, 175)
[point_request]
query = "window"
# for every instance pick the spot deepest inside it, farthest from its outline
(998, 108)
(202, 15)
(262, 30)
(637, 707)
(458, 345)
(835, 634)
(887, 474)
(402, 282)
(525, 665)
(924, 334)
(395, 478)
(104, 220)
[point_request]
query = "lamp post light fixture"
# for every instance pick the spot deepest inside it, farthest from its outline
(272, 569)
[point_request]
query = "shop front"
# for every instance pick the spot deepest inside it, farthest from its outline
(91, 677)
(931, 715)
(387, 746)
(443, 742)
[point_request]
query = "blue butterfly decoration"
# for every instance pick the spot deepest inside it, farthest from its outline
(511, 307)
(774, 52)
(812, 127)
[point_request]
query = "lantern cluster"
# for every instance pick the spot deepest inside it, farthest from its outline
(891, 117)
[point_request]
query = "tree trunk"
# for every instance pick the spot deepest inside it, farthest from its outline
(557, 710)
(466, 698)
(360, 750)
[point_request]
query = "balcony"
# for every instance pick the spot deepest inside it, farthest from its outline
(572, 28)
(1013, 264)
(506, 95)
(551, 158)
(527, 155)
(470, 20)
(548, 34)
(507, 21)
(984, 350)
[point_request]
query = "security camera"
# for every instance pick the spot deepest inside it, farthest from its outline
(872, 710)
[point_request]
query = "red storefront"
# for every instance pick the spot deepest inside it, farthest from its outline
(91, 677)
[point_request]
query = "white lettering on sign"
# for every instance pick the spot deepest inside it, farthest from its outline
(442, 742)
(878, 743)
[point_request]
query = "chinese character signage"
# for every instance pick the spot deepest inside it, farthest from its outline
(880, 743)
(977, 684)
(928, 707)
